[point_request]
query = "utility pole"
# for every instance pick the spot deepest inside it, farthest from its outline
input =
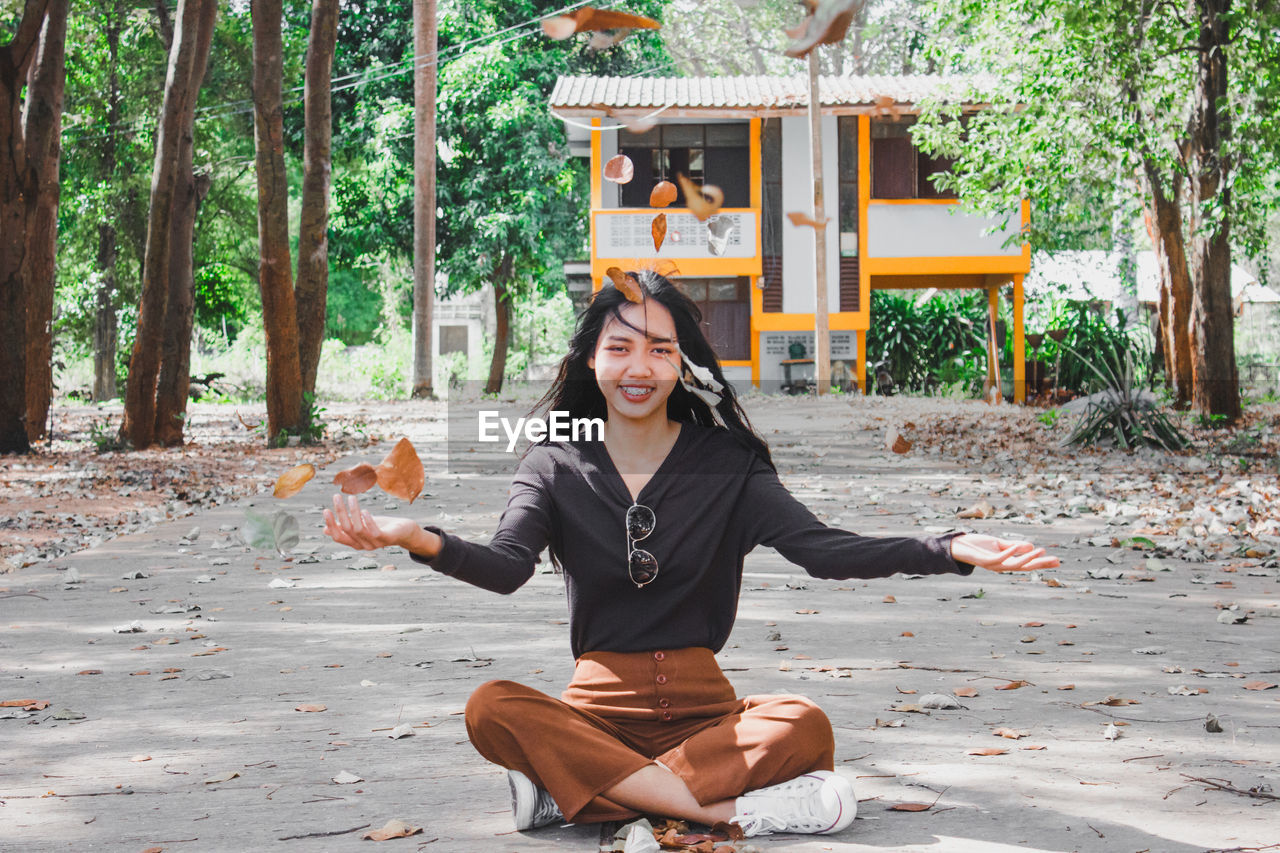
(424, 191)
(821, 320)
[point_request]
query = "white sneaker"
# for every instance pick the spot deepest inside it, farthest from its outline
(531, 806)
(815, 803)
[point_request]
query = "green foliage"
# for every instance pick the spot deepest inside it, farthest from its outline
(105, 436)
(940, 342)
(1122, 412)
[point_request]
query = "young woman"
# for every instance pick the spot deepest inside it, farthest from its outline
(651, 527)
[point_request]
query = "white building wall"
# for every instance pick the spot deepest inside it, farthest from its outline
(936, 231)
(797, 195)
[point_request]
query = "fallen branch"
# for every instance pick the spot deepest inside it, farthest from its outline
(18, 594)
(325, 834)
(1223, 786)
(1139, 719)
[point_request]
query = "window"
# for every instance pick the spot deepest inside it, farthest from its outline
(726, 314)
(898, 170)
(707, 153)
(453, 339)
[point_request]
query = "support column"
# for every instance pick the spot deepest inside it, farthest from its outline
(1019, 345)
(993, 348)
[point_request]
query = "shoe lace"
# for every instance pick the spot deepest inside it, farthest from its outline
(792, 807)
(546, 811)
(759, 824)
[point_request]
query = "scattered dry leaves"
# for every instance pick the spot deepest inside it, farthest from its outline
(393, 828)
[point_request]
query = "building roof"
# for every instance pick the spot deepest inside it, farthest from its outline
(759, 95)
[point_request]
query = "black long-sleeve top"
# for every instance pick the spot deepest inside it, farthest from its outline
(714, 501)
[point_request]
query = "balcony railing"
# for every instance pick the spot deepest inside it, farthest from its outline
(628, 233)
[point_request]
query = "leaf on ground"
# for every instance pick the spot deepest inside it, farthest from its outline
(1115, 702)
(797, 218)
(890, 724)
(311, 708)
(1012, 685)
(346, 778)
(939, 702)
(1258, 685)
(896, 441)
(1032, 624)
(393, 828)
(222, 777)
(889, 599)
(1111, 732)
(619, 169)
(986, 750)
(910, 807)
(663, 194)
(25, 704)
(402, 730)
(1054, 582)
(401, 474)
(1184, 690)
(291, 482)
(702, 201)
(965, 692)
(659, 229)
(731, 830)
(1011, 734)
(981, 509)
(357, 480)
(1067, 687)
(807, 612)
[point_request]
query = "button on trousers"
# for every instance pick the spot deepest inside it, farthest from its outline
(623, 712)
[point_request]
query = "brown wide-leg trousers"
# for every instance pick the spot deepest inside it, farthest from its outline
(623, 712)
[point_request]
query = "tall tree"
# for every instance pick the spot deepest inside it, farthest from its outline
(1182, 96)
(138, 426)
(313, 231)
(16, 56)
(42, 129)
(275, 269)
(426, 61)
(105, 334)
(190, 188)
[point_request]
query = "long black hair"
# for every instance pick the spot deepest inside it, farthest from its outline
(575, 390)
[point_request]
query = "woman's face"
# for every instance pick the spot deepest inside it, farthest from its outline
(637, 374)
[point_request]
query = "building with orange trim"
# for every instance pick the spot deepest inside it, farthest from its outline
(752, 271)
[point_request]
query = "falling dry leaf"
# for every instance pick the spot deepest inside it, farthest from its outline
(666, 269)
(986, 750)
(1012, 685)
(626, 284)
(357, 480)
(659, 229)
(1257, 685)
(696, 198)
(311, 709)
(965, 692)
(291, 482)
(910, 807)
(981, 509)
(589, 19)
(400, 474)
(663, 194)
(826, 22)
(798, 218)
(895, 441)
(619, 169)
(392, 829)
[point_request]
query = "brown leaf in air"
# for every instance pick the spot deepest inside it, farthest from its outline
(664, 192)
(798, 218)
(1257, 685)
(827, 22)
(659, 229)
(291, 482)
(696, 198)
(910, 807)
(400, 474)
(986, 750)
(1012, 685)
(392, 829)
(588, 18)
(964, 692)
(604, 41)
(311, 709)
(667, 269)
(626, 283)
(357, 480)
(619, 169)
(559, 27)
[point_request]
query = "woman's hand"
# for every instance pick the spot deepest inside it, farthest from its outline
(1000, 555)
(349, 525)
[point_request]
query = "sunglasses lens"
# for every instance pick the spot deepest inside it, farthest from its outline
(643, 566)
(640, 521)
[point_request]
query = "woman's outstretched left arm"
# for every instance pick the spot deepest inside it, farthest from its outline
(1000, 555)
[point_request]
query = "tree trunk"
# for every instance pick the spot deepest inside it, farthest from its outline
(424, 192)
(104, 319)
(502, 305)
(1175, 284)
(174, 381)
(275, 269)
(42, 129)
(1215, 384)
(313, 228)
(15, 211)
(144, 363)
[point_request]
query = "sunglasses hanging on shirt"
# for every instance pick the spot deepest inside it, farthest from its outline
(641, 565)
